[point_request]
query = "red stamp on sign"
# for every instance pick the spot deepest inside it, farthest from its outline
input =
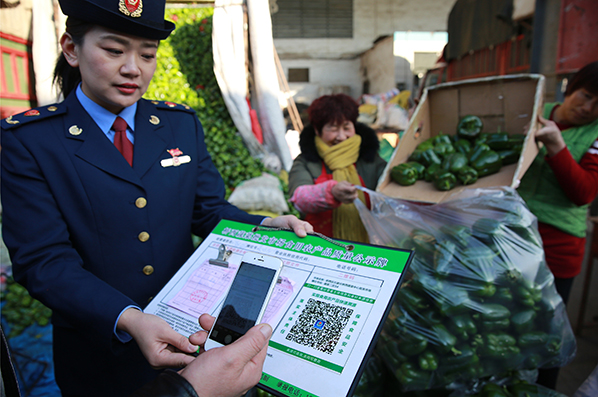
(198, 296)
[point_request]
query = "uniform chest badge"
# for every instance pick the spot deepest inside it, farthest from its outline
(9, 120)
(131, 8)
(176, 159)
(74, 130)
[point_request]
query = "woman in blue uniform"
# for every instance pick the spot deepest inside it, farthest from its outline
(100, 196)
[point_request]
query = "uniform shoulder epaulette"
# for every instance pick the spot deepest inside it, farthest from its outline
(40, 113)
(172, 106)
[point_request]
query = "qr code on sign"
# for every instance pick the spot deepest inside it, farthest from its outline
(320, 325)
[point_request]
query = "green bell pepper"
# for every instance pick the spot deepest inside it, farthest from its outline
(425, 145)
(498, 141)
(454, 162)
(469, 127)
(443, 341)
(479, 288)
(410, 300)
(486, 163)
(477, 151)
(503, 296)
(482, 138)
(527, 292)
(523, 321)
(428, 360)
(463, 146)
(431, 171)
(462, 326)
(424, 242)
(509, 156)
(494, 325)
(467, 175)
(430, 317)
(420, 168)
(532, 339)
(443, 149)
(460, 234)
(404, 174)
(429, 157)
(532, 361)
(450, 299)
(488, 230)
(553, 345)
(412, 344)
(498, 346)
(444, 259)
(458, 362)
(413, 378)
(521, 389)
(416, 156)
(492, 312)
(494, 390)
(442, 138)
(389, 351)
(444, 180)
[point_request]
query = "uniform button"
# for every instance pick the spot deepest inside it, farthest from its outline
(147, 270)
(140, 202)
(150, 299)
(143, 237)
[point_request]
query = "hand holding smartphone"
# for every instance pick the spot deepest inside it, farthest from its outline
(246, 300)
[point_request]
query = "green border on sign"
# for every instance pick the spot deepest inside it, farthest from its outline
(283, 387)
(340, 293)
(305, 356)
(384, 258)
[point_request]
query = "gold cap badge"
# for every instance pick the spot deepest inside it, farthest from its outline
(131, 8)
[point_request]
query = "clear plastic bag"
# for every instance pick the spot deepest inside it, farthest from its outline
(263, 193)
(478, 299)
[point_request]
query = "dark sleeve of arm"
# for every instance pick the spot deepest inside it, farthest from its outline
(210, 206)
(299, 175)
(168, 384)
(43, 257)
(579, 181)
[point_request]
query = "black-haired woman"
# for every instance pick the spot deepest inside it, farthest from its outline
(563, 180)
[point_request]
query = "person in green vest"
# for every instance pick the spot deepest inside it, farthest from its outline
(562, 181)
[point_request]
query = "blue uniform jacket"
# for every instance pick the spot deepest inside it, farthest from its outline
(89, 235)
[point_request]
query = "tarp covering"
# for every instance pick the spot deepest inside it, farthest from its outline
(31, 354)
(477, 24)
(228, 46)
(267, 89)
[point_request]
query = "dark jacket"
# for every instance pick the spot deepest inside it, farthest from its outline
(168, 384)
(308, 165)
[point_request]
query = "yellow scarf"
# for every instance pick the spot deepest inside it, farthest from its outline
(341, 158)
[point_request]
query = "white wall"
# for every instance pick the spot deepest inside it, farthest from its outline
(325, 77)
(372, 19)
(336, 61)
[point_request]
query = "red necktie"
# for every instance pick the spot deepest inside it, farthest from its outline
(122, 143)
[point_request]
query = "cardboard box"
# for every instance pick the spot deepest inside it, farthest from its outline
(509, 102)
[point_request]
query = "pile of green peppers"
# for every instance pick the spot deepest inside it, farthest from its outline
(446, 160)
(467, 312)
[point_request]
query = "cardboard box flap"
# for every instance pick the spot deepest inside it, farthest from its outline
(504, 103)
